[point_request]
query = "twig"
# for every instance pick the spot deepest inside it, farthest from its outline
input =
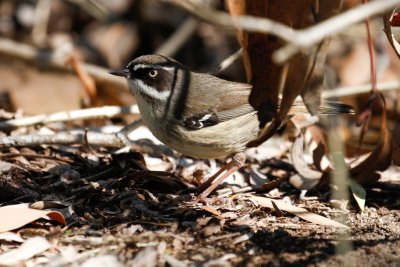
(94, 8)
(228, 61)
(123, 133)
(31, 54)
(172, 45)
(63, 138)
(42, 15)
(223, 19)
(80, 114)
(39, 156)
(360, 89)
(313, 35)
(296, 39)
(118, 139)
(371, 54)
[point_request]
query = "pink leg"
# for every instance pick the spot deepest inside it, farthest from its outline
(237, 161)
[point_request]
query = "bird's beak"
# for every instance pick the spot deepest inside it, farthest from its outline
(121, 72)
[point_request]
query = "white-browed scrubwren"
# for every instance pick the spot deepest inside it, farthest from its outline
(198, 114)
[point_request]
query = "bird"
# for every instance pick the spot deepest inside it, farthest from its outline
(198, 114)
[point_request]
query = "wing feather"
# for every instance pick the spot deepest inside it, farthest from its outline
(225, 101)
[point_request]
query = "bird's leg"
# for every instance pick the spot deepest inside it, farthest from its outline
(207, 187)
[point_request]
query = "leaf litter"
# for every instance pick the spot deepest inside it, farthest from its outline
(114, 205)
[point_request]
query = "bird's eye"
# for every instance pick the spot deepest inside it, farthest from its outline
(153, 73)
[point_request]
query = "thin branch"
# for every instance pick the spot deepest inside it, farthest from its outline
(82, 137)
(94, 8)
(80, 114)
(223, 19)
(371, 54)
(63, 138)
(360, 89)
(313, 35)
(172, 45)
(228, 61)
(124, 132)
(31, 54)
(296, 39)
(42, 16)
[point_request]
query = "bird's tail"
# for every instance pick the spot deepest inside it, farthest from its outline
(325, 108)
(332, 108)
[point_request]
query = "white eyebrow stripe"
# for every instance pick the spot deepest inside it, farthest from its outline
(152, 92)
(140, 66)
(144, 66)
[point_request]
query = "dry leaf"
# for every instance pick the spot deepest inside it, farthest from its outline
(16, 216)
(212, 211)
(10, 236)
(387, 18)
(306, 178)
(103, 260)
(300, 212)
(359, 193)
(87, 81)
(27, 250)
(379, 159)
(146, 257)
(396, 145)
(27, 91)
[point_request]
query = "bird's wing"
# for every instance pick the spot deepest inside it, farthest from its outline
(208, 105)
(213, 100)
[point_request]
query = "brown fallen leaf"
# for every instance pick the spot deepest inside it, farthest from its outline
(396, 145)
(212, 211)
(387, 22)
(16, 216)
(380, 158)
(306, 177)
(300, 212)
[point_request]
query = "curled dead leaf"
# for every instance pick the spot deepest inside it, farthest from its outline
(16, 216)
(300, 212)
(396, 145)
(388, 20)
(380, 158)
(306, 178)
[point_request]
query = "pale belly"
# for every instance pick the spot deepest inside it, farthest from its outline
(215, 141)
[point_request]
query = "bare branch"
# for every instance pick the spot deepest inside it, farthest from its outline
(313, 35)
(228, 61)
(123, 133)
(296, 39)
(223, 19)
(80, 114)
(31, 54)
(178, 38)
(63, 138)
(360, 89)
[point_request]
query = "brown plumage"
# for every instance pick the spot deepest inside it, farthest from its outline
(198, 114)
